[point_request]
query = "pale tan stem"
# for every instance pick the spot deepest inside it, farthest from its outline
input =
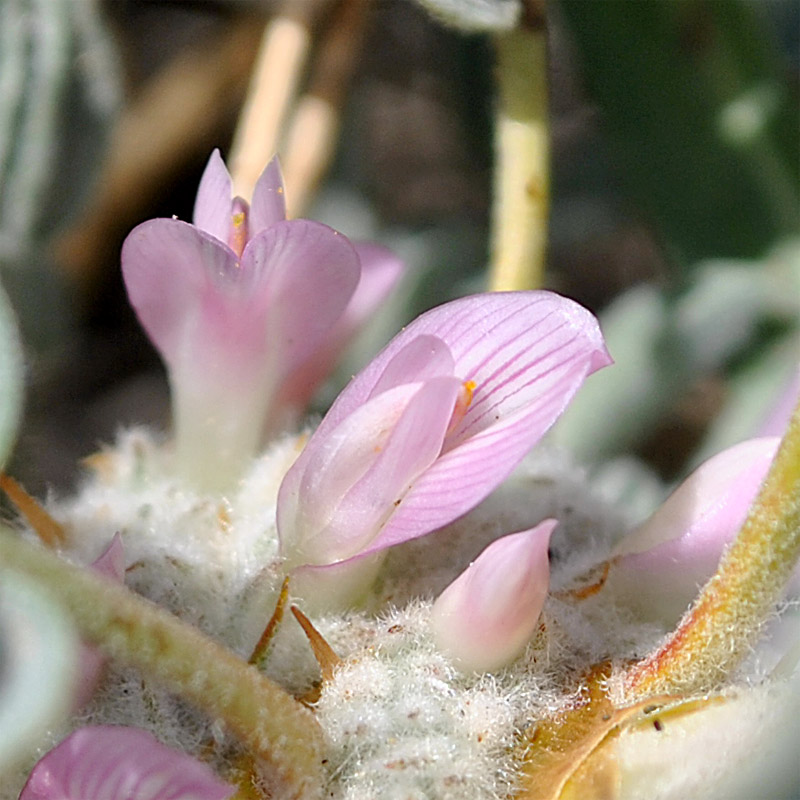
(279, 67)
(176, 117)
(522, 162)
(725, 620)
(311, 140)
(271, 724)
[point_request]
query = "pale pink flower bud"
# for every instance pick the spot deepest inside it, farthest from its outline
(484, 619)
(661, 565)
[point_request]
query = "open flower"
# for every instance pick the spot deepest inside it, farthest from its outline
(234, 303)
(487, 615)
(434, 423)
(661, 565)
(109, 762)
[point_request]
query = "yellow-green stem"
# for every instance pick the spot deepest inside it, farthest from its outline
(726, 618)
(271, 724)
(522, 161)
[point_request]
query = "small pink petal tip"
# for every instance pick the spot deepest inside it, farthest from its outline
(485, 618)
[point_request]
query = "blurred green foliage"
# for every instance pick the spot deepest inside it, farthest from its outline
(700, 116)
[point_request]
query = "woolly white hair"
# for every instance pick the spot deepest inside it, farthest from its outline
(401, 722)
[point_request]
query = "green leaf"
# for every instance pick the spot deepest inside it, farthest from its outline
(700, 117)
(39, 657)
(11, 378)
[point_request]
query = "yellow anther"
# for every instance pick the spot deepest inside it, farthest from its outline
(238, 234)
(462, 403)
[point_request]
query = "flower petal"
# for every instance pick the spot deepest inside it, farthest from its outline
(527, 353)
(380, 271)
(212, 206)
(310, 273)
(412, 447)
(330, 465)
(268, 204)
(111, 562)
(711, 503)
(170, 270)
(484, 619)
(422, 358)
(662, 564)
(516, 346)
(107, 762)
(333, 500)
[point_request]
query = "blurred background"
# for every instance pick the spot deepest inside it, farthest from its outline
(674, 211)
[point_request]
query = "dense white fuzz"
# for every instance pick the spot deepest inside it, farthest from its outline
(399, 719)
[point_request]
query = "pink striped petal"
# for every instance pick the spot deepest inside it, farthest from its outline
(514, 345)
(107, 762)
(268, 204)
(212, 206)
(522, 384)
(484, 619)
(522, 356)
(662, 564)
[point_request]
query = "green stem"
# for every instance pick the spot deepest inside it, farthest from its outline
(268, 721)
(521, 182)
(725, 620)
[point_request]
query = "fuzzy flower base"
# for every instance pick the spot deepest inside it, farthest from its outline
(400, 721)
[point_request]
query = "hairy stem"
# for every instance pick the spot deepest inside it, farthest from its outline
(726, 618)
(269, 722)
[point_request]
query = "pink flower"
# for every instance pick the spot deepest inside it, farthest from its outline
(107, 762)
(434, 423)
(662, 564)
(380, 272)
(484, 619)
(236, 303)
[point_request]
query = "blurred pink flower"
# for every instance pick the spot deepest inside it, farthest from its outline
(434, 423)
(380, 271)
(484, 619)
(660, 566)
(108, 762)
(236, 304)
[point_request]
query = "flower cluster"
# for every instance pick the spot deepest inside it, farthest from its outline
(249, 311)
